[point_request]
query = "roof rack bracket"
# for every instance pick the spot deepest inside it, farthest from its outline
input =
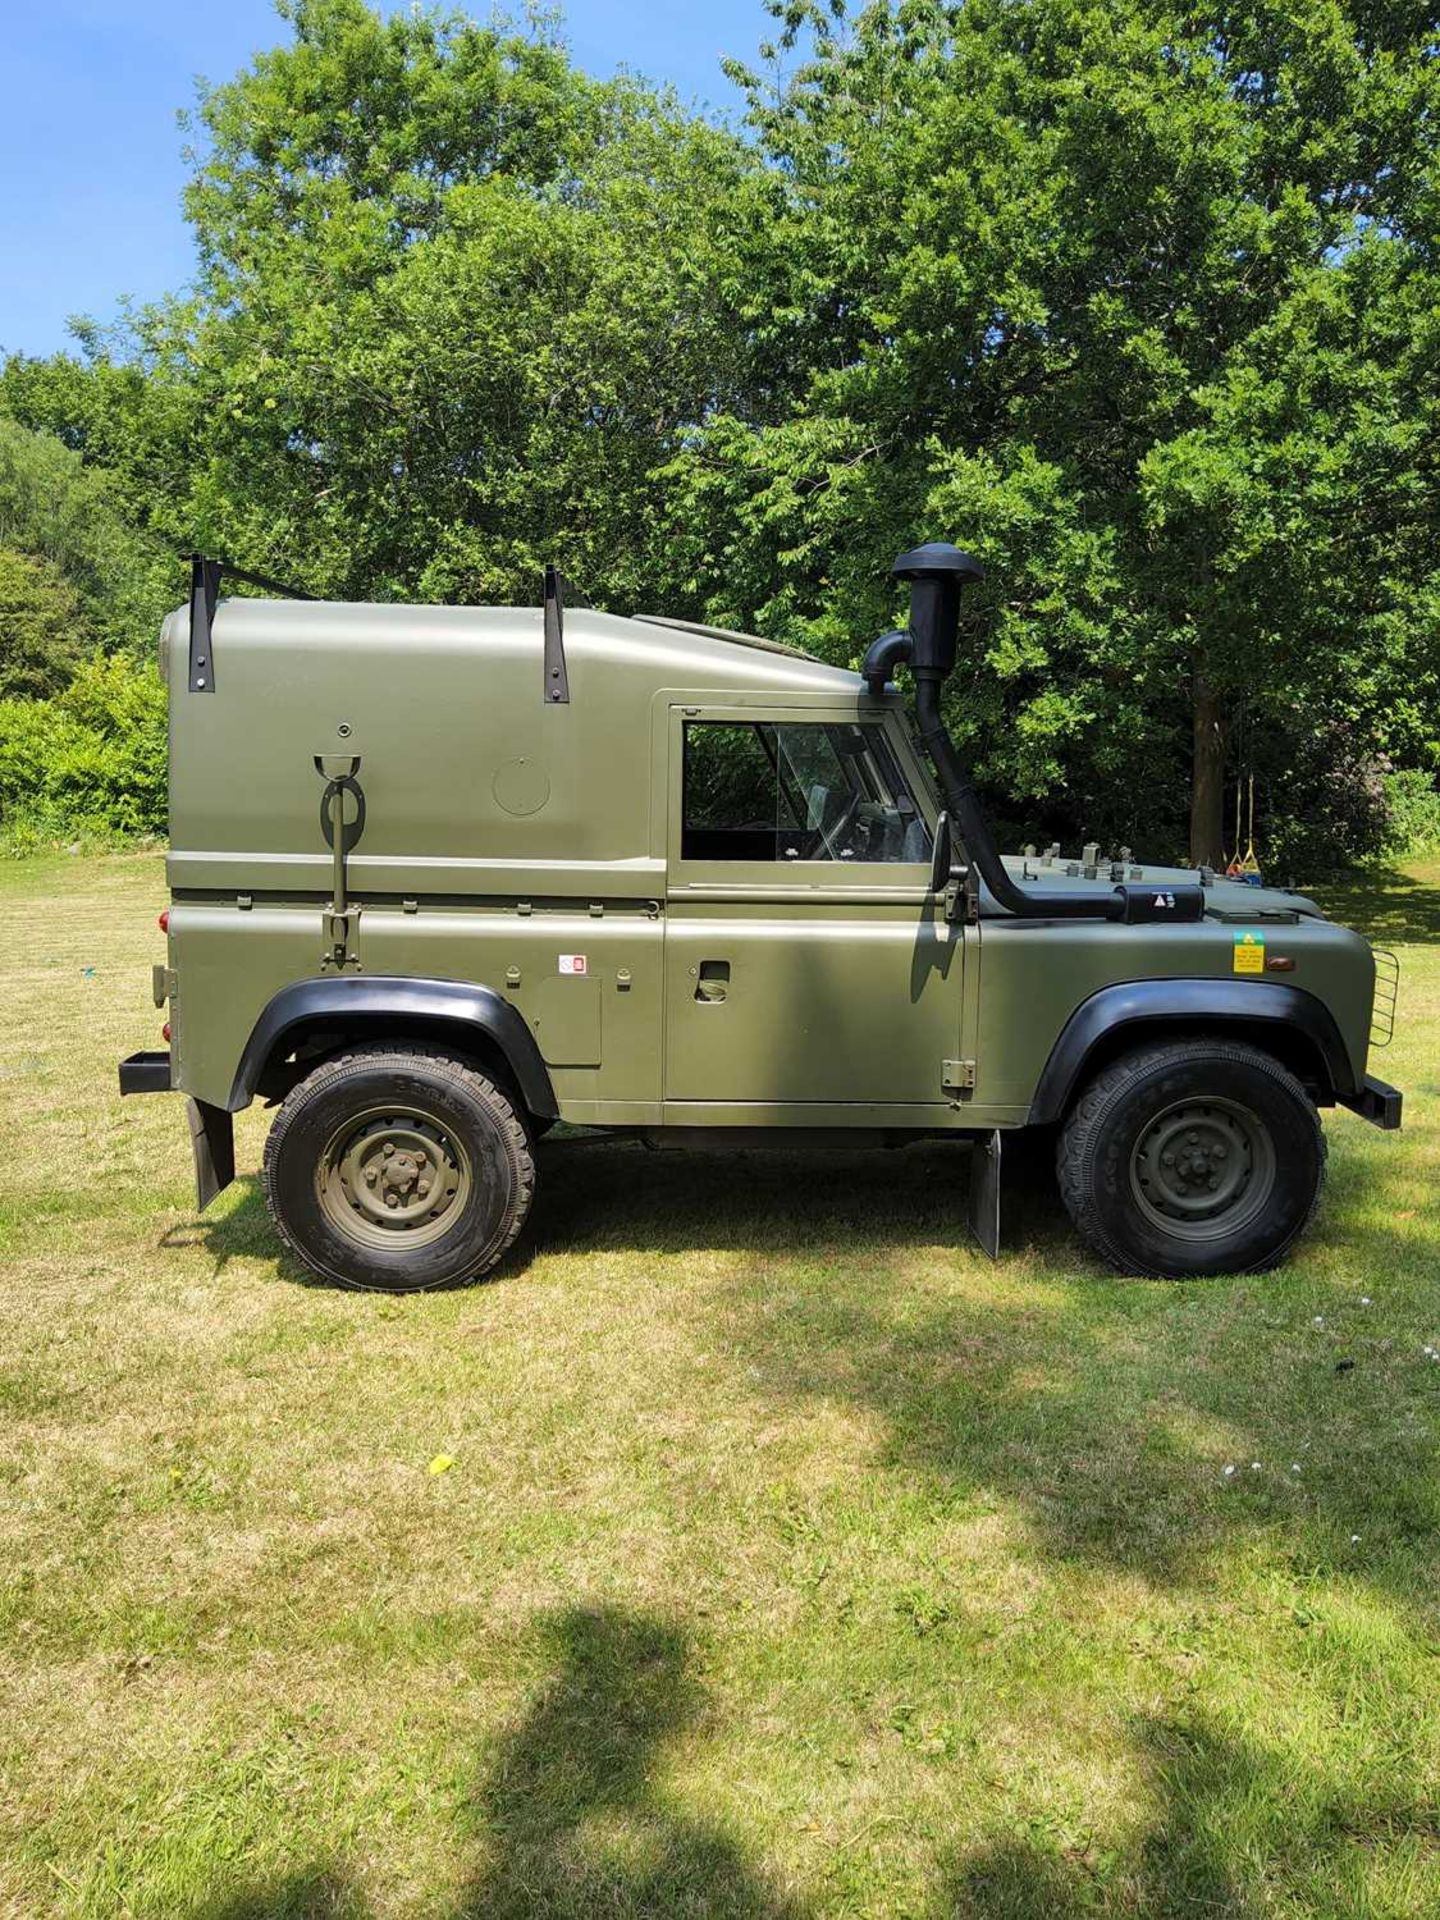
(557, 680)
(204, 592)
(205, 577)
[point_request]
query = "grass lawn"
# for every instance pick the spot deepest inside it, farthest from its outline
(793, 1560)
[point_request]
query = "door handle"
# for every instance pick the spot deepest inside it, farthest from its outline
(712, 981)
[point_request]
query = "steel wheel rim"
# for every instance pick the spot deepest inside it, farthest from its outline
(1203, 1169)
(394, 1178)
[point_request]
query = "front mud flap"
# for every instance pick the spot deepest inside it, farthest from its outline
(212, 1140)
(985, 1193)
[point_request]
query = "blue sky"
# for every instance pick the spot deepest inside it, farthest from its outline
(90, 154)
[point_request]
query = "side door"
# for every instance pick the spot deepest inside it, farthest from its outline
(810, 975)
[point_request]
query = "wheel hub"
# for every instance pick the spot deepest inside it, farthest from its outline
(1203, 1167)
(393, 1175)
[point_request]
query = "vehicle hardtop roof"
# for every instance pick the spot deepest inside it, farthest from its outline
(667, 649)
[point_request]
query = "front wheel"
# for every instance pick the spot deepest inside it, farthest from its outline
(1192, 1157)
(396, 1169)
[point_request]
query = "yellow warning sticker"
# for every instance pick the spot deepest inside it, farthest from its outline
(1249, 952)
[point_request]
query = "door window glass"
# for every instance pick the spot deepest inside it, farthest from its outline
(808, 790)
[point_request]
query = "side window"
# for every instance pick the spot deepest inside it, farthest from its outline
(808, 790)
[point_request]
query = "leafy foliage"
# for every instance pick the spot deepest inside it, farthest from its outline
(100, 575)
(88, 765)
(1413, 806)
(1138, 301)
(39, 619)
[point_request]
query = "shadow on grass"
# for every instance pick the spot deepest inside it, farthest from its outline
(1100, 1408)
(572, 1817)
(820, 1204)
(596, 1193)
(1388, 906)
(572, 1820)
(1211, 1793)
(239, 1229)
(569, 1818)
(1106, 1411)
(1234, 1829)
(314, 1893)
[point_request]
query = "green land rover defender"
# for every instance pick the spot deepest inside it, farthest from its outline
(444, 876)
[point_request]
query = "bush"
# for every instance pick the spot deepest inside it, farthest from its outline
(1322, 803)
(87, 765)
(1414, 806)
(40, 626)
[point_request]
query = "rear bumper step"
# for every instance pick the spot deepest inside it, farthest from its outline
(145, 1073)
(1376, 1102)
(212, 1129)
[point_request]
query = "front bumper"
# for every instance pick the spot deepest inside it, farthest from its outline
(212, 1129)
(1376, 1102)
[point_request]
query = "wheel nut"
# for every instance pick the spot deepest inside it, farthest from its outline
(371, 1175)
(391, 1200)
(388, 1150)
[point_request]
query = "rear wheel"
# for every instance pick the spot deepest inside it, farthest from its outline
(398, 1169)
(1192, 1157)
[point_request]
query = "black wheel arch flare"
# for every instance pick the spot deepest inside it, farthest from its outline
(1298, 1028)
(361, 1005)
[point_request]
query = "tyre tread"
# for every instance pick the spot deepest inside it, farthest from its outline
(356, 1060)
(1110, 1087)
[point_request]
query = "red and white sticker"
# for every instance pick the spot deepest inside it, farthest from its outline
(572, 963)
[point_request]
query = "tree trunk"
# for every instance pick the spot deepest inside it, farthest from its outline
(1207, 783)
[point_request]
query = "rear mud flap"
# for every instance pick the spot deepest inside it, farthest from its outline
(212, 1140)
(984, 1193)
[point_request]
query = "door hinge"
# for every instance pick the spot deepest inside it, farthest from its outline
(957, 1076)
(962, 898)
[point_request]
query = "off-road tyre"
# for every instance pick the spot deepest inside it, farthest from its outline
(395, 1169)
(1141, 1176)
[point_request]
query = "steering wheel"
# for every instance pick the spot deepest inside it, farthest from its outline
(842, 825)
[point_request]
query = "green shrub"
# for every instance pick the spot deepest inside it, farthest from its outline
(88, 765)
(1414, 804)
(41, 625)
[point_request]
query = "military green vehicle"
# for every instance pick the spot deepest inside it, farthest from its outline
(444, 876)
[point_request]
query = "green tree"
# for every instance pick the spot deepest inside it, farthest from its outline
(458, 306)
(1138, 301)
(90, 569)
(41, 635)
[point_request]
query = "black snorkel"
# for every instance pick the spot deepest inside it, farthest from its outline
(936, 573)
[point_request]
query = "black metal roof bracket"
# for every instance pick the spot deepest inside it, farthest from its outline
(205, 577)
(557, 680)
(204, 592)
